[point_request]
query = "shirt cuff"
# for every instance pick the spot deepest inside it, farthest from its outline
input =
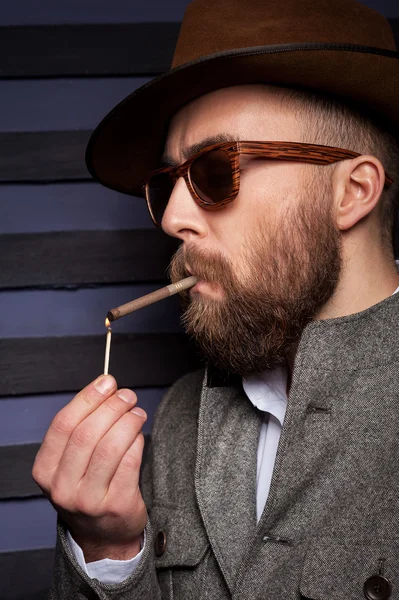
(106, 570)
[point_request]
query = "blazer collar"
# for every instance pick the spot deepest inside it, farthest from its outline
(225, 476)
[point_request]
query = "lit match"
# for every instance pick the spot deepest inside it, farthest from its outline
(107, 346)
(165, 292)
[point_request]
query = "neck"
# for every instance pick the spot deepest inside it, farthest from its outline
(368, 276)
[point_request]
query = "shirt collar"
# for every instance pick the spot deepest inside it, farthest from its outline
(268, 391)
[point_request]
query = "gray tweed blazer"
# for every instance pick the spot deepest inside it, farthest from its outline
(330, 527)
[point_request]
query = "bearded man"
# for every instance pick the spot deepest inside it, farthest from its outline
(273, 475)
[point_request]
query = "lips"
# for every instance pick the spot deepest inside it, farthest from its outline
(190, 271)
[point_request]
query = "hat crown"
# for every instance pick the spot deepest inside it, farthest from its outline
(211, 26)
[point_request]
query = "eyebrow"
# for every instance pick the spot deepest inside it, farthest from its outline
(168, 161)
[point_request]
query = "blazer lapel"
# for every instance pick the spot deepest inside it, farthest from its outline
(225, 478)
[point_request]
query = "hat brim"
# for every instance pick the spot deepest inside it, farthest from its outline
(127, 145)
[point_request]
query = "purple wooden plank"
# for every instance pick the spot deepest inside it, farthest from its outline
(389, 8)
(26, 12)
(27, 524)
(48, 12)
(25, 419)
(61, 104)
(69, 207)
(44, 313)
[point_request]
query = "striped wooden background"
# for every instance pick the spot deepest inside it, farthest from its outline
(70, 249)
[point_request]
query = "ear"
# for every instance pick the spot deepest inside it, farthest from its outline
(358, 185)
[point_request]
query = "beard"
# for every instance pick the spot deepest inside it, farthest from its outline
(290, 273)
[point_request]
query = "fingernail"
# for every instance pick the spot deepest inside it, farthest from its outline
(127, 395)
(139, 412)
(104, 384)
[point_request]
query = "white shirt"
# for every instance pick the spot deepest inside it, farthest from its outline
(268, 393)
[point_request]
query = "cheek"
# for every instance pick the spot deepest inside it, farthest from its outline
(238, 236)
(235, 226)
(272, 186)
(257, 213)
(232, 226)
(258, 209)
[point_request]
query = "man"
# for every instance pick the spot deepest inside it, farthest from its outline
(272, 475)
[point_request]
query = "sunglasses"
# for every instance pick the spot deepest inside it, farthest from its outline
(213, 174)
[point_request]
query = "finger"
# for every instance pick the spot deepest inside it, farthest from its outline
(66, 421)
(85, 438)
(108, 455)
(125, 481)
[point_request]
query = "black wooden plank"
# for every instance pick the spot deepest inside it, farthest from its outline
(16, 480)
(26, 574)
(87, 50)
(92, 50)
(43, 156)
(16, 472)
(63, 364)
(395, 28)
(83, 258)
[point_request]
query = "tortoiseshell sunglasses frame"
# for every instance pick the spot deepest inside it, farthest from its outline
(292, 151)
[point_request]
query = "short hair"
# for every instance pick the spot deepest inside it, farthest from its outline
(333, 121)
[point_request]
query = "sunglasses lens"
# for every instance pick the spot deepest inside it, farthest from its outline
(211, 176)
(159, 190)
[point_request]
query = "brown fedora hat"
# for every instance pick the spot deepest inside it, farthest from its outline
(338, 47)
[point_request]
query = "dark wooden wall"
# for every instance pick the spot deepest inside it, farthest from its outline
(70, 249)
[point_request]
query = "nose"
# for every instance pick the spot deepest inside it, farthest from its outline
(183, 218)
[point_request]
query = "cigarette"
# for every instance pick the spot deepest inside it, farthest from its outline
(165, 292)
(107, 348)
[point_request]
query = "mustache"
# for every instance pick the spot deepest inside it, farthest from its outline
(208, 267)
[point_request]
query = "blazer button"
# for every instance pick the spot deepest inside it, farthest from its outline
(377, 588)
(160, 544)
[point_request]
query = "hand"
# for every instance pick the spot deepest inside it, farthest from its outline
(88, 467)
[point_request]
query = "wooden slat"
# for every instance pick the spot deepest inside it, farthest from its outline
(92, 50)
(63, 364)
(16, 480)
(43, 156)
(16, 472)
(26, 575)
(48, 12)
(69, 207)
(87, 50)
(81, 258)
(61, 104)
(395, 28)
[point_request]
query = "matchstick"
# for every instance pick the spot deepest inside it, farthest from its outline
(107, 347)
(165, 292)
